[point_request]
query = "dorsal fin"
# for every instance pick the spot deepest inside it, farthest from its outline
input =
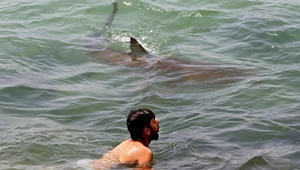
(136, 48)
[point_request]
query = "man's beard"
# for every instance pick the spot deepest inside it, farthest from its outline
(153, 135)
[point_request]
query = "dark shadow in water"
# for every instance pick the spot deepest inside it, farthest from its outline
(262, 162)
(171, 67)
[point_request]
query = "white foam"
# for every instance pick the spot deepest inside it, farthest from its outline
(83, 163)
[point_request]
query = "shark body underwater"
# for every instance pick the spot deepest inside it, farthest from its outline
(171, 67)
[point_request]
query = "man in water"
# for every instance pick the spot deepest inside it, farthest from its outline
(143, 128)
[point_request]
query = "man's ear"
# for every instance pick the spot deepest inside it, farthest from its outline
(147, 130)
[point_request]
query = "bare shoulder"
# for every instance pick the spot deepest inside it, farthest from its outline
(146, 151)
(121, 145)
(145, 156)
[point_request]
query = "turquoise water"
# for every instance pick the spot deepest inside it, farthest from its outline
(59, 106)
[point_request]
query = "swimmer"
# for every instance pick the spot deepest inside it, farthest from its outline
(143, 128)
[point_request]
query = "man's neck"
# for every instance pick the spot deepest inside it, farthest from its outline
(146, 143)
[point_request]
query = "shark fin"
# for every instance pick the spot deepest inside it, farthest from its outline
(136, 48)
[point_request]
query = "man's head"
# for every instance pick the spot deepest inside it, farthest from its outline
(140, 122)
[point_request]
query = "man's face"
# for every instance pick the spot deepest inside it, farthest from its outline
(154, 127)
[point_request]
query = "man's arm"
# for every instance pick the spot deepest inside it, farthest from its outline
(145, 159)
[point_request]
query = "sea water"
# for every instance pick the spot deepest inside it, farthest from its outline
(58, 106)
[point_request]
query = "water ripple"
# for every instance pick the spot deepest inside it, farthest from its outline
(58, 105)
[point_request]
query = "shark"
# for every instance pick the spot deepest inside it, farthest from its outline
(171, 67)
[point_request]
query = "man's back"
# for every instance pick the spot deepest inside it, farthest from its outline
(129, 152)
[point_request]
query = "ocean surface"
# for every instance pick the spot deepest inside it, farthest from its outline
(60, 106)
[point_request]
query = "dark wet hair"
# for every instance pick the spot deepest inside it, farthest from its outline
(137, 120)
